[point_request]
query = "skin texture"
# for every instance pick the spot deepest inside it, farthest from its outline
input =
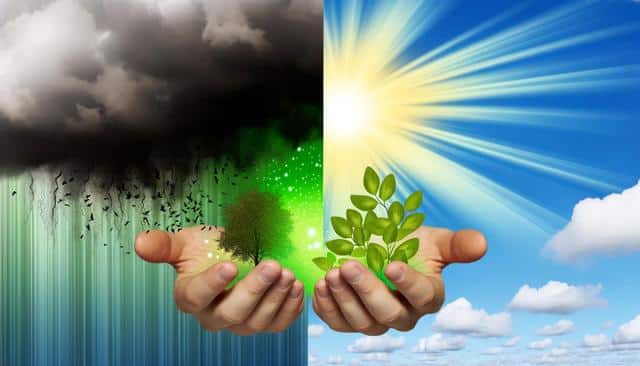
(268, 299)
(353, 299)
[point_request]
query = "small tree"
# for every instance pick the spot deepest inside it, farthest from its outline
(257, 227)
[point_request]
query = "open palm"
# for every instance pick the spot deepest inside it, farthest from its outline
(268, 299)
(353, 299)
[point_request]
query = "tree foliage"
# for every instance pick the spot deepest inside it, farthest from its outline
(257, 227)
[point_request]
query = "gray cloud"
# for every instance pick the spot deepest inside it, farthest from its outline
(78, 76)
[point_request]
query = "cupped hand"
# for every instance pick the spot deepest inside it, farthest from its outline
(268, 299)
(353, 299)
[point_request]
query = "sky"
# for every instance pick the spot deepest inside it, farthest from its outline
(545, 163)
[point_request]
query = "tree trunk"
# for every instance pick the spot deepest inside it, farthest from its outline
(256, 256)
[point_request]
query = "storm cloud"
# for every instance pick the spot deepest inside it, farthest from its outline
(113, 82)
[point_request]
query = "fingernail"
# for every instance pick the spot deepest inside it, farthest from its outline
(286, 278)
(226, 272)
(321, 289)
(269, 272)
(351, 272)
(395, 272)
(295, 292)
(333, 278)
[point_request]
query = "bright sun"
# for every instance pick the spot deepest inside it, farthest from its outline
(348, 111)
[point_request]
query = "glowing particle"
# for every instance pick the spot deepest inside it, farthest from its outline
(290, 189)
(311, 232)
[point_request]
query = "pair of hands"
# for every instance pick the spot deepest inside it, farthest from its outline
(269, 298)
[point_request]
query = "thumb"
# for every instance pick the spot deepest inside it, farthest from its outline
(464, 246)
(157, 246)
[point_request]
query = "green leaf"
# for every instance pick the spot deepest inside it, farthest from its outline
(414, 201)
(396, 213)
(364, 203)
(374, 259)
(383, 223)
(340, 246)
(342, 261)
(388, 187)
(342, 227)
(402, 233)
(358, 252)
(409, 248)
(390, 234)
(412, 222)
(371, 222)
(399, 255)
(381, 250)
(331, 257)
(358, 236)
(354, 218)
(323, 263)
(367, 235)
(371, 181)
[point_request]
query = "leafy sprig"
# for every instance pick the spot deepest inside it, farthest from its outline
(378, 239)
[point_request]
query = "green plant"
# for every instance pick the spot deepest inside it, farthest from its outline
(375, 237)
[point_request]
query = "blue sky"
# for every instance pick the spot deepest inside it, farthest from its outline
(599, 143)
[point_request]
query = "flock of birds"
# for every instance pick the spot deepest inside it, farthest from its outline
(169, 203)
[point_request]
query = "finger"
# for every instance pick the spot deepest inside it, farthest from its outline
(158, 247)
(238, 304)
(424, 293)
(194, 293)
(270, 304)
(290, 310)
(464, 246)
(327, 309)
(350, 305)
(376, 296)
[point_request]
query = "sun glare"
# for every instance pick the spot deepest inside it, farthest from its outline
(348, 111)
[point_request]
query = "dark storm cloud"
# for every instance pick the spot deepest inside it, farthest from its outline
(116, 81)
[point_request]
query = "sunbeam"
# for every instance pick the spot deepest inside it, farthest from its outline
(397, 111)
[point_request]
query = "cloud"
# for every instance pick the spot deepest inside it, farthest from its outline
(334, 360)
(376, 356)
(595, 340)
(370, 344)
(607, 325)
(315, 330)
(512, 342)
(437, 343)
(492, 351)
(558, 352)
(629, 332)
(313, 359)
(542, 344)
(607, 225)
(127, 78)
(559, 328)
(460, 317)
(557, 298)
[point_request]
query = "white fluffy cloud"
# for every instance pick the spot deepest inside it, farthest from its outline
(460, 317)
(385, 343)
(541, 344)
(629, 332)
(376, 356)
(315, 330)
(334, 360)
(557, 298)
(559, 328)
(607, 225)
(438, 342)
(512, 342)
(595, 340)
(492, 351)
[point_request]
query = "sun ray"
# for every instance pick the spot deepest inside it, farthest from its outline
(386, 106)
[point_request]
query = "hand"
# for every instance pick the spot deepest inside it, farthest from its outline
(353, 299)
(268, 299)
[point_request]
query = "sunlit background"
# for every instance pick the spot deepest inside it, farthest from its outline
(506, 115)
